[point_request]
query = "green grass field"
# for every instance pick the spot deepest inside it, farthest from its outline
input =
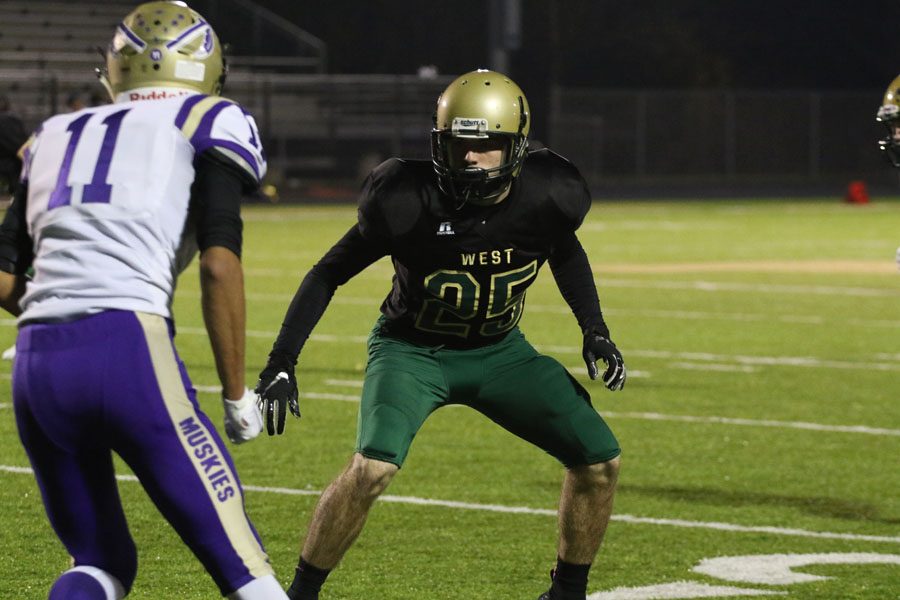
(755, 333)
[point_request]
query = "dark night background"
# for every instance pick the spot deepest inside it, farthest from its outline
(768, 44)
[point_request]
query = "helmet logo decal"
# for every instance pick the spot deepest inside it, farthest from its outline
(466, 126)
(208, 44)
(125, 36)
(156, 54)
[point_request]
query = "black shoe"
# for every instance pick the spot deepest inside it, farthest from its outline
(546, 595)
(293, 594)
(549, 595)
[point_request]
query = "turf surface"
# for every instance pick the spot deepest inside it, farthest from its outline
(754, 332)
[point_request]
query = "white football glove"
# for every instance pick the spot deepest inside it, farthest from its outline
(898, 259)
(243, 421)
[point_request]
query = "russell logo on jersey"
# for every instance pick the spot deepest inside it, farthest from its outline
(445, 228)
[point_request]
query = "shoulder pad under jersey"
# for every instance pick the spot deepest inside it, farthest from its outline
(216, 124)
(26, 152)
(390, 202)
(567, 188)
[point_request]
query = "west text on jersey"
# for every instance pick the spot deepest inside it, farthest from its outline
(487, 257)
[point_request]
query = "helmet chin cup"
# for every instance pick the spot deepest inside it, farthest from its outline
(474, 185)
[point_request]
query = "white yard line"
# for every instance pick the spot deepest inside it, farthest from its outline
(651, 416)
(644, 416)
(769, 361)
(762, 288)
(712, 367)
(678, 357)
(355, 383)
(672, 315)
(524, 510)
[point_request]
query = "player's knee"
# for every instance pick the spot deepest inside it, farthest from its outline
(370, 477)
(596, 476)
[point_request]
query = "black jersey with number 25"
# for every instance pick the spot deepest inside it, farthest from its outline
(461, 274)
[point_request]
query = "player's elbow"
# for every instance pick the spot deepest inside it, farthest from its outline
(12, 288)
(219, 264)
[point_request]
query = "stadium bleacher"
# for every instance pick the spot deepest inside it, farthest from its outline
(330, 125)
(39, 32)
(318, 125)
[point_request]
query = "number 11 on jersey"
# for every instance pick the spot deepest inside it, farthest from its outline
(97, 190)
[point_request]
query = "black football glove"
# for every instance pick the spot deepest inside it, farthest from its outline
(596, 347)
(277, 389)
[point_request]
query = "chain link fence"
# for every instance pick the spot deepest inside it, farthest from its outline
(719, 136)
(334, 128)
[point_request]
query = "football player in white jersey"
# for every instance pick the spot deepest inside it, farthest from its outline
(113, 203)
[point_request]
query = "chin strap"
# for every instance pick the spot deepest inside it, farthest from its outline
(459, 203)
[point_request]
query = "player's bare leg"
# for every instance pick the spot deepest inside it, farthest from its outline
(342, 510)
(585, 507)
(337, 521)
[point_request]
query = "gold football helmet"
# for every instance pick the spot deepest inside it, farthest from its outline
(889, 114)
(481, 105)
(164, 44)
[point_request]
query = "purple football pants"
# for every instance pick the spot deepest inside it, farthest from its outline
(114, 382)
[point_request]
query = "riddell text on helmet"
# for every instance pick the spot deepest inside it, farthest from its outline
(158, 94)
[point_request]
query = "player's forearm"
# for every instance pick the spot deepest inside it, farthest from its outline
(575, 279)
(350, 255)
(12, 288)
(224, 312)
(309, 304)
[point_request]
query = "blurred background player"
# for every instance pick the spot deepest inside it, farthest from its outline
(12, 137)
(889, 114)
(102, 214)
(467, 233)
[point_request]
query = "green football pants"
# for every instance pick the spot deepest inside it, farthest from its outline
(526, 393)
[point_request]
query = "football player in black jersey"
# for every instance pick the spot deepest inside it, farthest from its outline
(889, 114)
(467, 233)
